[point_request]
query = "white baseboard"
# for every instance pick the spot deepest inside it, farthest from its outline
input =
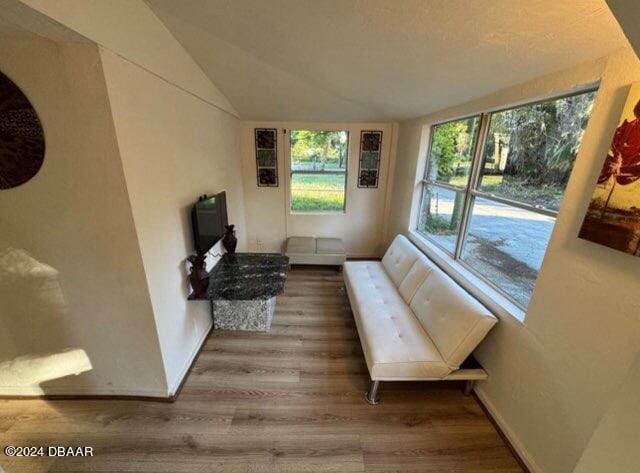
(508, 432)
(184, 371)
(36, 391)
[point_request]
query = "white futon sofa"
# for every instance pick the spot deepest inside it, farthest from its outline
(414, 321)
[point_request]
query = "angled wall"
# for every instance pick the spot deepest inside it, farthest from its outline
(174, 137)
(174, 147)
(72, 284)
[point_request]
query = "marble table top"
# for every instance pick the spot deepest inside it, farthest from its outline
(248, 276)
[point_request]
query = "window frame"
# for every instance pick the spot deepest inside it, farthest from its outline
(472, 189)
(330, 172)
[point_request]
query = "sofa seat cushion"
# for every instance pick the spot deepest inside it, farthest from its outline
(395, 345)
(370, 285)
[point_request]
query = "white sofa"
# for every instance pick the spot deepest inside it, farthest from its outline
(414, 321)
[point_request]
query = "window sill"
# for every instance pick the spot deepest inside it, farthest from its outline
(492, 299)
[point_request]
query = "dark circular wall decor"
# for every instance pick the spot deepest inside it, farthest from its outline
(21, 136)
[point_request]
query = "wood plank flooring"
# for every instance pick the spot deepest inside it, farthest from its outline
(285, 401)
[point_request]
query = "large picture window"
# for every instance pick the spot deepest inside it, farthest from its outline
(493, 185)
(318, 170)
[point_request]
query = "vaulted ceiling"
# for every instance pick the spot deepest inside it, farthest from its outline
(374, 60)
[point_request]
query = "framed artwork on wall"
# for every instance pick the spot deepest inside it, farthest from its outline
(613, 216)
(369, 163)
(21, 136)
(267, 156)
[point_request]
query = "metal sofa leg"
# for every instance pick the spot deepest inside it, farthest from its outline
(468, 386)
(372, 395)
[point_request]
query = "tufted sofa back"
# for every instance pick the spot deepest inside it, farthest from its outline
(453, 319)
(399, 258)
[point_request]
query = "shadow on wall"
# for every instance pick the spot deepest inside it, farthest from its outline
(33, 348)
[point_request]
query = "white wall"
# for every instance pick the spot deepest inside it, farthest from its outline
(71, 273)
(174, 147)
(269, 220)
(553, 377)
(614, 445)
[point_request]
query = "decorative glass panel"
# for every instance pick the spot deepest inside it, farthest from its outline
(267, 156)
(370, 153)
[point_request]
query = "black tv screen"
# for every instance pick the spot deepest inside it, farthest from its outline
(209, 217)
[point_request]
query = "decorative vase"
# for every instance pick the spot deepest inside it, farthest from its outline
(230, 241)
(198, 277)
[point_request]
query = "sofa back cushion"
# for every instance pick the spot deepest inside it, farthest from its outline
(415, 277)
(399, 258)
(454, 320)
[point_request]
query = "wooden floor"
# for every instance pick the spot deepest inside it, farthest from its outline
(285, 401)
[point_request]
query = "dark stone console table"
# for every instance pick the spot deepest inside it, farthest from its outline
(243, 289)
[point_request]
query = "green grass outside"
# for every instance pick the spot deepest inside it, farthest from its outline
(488, 181)
(317, 192)
(325, 193)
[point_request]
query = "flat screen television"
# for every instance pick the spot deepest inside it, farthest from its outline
(208, 218)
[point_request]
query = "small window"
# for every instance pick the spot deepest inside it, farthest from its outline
(493, 186)
(318, 170)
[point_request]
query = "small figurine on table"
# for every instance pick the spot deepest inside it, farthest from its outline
(198, 276)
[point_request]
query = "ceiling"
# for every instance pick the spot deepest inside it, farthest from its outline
(379, 60)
